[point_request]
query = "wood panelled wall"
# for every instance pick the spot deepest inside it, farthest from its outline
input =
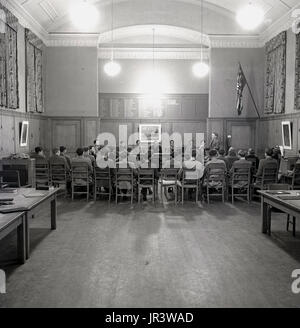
(270, 132)
(9, 134)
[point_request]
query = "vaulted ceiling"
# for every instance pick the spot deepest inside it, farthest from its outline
(51, 17)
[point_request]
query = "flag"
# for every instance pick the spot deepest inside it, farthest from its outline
(241, 83)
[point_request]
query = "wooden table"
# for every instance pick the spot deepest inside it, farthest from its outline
(291, 207)
(10, 222)
(24, 203)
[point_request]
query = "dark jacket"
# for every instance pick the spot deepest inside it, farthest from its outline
(263, 163)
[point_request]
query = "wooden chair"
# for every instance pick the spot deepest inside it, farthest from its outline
(215, 180)
(102, 179)
(124, 181)
(146, 180)
(59, 176)
(269, 177)
(282, 187)
(241, 180)
(11, 178)
(296, 177)
(42, 174)
(188, 179)
(169, 179)
(80, 179)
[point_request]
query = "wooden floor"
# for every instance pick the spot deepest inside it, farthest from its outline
(154, 256)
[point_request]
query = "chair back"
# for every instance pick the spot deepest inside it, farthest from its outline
(241, 174)
(279, 186)
(189, 176)
(296, 177)
(170, 174)
(80, 174)
(146, 177)
(11, 178)
(216, 172)
(270, 174)
(58, 172)
(102, 177)
(42, 172)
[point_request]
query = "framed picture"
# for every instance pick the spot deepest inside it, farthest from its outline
(287, 135)
(24, 131)
(150, 133)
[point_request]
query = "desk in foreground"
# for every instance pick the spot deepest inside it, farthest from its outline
(11, 222)
(289, 206)
(28, 201)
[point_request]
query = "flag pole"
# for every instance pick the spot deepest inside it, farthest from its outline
(251, 95)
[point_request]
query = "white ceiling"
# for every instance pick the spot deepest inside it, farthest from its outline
(51, 16)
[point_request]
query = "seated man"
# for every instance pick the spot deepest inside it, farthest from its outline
(216, 166)
(63, 153)
(86, 154)
(222, 157)
(251, 157)
(265, 162)
(242, 166)
(39, 153)
(80, 160)
(56, 158)
(190, 163)
(231, 158)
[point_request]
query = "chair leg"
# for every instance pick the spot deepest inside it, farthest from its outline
(294, 226)
(138, 195)
(288, 223)
(116, 195)
(197, 194)
(182, 195)
(207, 191)
(232, 194)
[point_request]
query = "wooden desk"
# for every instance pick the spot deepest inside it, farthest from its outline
(10, 222)
(29, 206)
(26, 168)
(291, 207)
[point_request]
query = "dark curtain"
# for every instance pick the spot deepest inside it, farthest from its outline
(275, 83)
(297, 85)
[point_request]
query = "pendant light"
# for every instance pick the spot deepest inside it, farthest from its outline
(112, 68)
(84, 15)
(201, 69)
(250, 16)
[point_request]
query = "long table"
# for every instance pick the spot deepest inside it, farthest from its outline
(29, 201)
(11, 222)
(288, 206)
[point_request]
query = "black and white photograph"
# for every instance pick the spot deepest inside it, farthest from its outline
(149, 157)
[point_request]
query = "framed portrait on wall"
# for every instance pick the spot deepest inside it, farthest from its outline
(287, 135)
(150, 133)
(24, 131)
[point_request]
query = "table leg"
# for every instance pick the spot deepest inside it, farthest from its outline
(27, 235)
(264, 215)
(22, 241)
(53, 213)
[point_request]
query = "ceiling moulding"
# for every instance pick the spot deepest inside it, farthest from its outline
(225, 41)
(72, 40)
(25, 19)
(147, 54)
(282, 24)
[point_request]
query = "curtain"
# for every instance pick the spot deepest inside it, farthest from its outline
(275, 75)
(9, 84)
(297, 85)
(34, 72)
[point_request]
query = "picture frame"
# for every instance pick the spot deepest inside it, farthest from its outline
(287, 140)
(24, 132)
(150, 133)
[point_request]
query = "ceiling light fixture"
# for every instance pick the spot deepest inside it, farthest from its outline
(250, 16)
(84, 15)
(112, 68)
(201, 69)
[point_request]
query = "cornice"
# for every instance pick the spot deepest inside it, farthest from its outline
(160, 53)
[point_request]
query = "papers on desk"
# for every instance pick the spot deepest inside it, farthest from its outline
(8, 191)
(278, 192)
(34, 195)
(291, 197)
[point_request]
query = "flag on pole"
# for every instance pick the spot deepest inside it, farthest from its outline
(241, 83)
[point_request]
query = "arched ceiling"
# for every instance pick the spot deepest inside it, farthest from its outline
(51, 16)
